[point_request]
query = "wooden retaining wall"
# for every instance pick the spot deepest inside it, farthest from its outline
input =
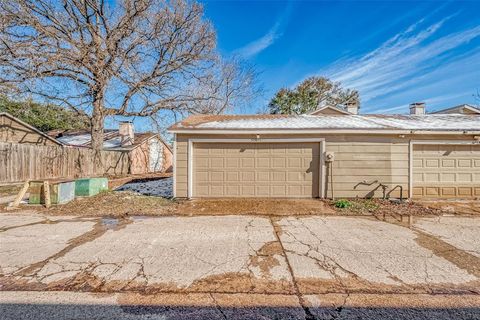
(21, 162)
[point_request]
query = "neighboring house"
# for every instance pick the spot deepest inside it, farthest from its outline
(463, 108)
(343, 155)
(350, 108)
(147, 151)
(15, 130)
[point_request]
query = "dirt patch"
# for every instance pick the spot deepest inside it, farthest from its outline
(87, 282)
(265, 259)
(461, 207)
(354, 285)
(256, 206)
(113, 204)
(386, 207)
(127, 203)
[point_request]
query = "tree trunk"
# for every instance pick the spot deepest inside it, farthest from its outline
(97, 126)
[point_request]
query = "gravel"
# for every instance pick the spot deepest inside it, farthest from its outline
(158, 187)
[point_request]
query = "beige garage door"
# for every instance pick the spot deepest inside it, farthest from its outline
(256, 170)
(446, 171)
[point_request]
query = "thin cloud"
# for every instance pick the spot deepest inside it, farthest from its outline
(276, 31)
(257, 46)
(406, 59)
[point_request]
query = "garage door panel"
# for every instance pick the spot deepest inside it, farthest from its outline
(448, 163)
(233, 190)
(457, 173)
(231, 163)
(256, 170)
(262, 162)
(247, 163)
(262, 176)
(233, 176)
(279, 163)
(464, 163)
(216, 163)
(248, 176)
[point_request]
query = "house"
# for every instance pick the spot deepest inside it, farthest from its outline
(14, 130)
(147, 151)
(463, 108)
(348, 108)
(328, 155)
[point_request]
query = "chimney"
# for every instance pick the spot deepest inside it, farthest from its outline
(126, 132)
(352, 107)
(417, 108)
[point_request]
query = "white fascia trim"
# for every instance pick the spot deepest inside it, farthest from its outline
(192, 141)
(317, 131)
(259, 140)
(174, 165)
(190, 169)
(457, 142)
(410, 169)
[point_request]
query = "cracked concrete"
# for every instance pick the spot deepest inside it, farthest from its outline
(169, 254)
(460, 232)
(312, 267)
(341, 254)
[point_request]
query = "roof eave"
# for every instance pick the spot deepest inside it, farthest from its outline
(321, 131)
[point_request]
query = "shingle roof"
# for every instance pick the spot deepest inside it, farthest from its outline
(83, 138)
(430, 122)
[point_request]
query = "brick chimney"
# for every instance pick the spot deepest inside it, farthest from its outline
(352, 107)
(126, 132)
(417, 108)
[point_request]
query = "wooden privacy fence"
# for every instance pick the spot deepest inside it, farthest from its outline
(21, 162)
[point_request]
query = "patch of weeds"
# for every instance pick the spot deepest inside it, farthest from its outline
(357, 206)
(343, 203)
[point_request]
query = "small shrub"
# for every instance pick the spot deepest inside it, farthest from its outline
(343, 203)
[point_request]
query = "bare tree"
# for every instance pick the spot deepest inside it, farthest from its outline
(230, 83)
(131, 58)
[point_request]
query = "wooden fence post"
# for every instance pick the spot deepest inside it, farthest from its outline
(46, 190)
(21, 194)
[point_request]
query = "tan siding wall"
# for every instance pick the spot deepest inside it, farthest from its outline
(360, 167)
(15, 132)
(357, 158)
(181, 166)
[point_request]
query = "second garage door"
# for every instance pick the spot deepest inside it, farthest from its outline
(446, 171)
(256, 170)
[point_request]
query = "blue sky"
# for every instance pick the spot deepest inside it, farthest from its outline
(394, 53)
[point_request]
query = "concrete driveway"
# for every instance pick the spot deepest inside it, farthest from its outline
(239, 267)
